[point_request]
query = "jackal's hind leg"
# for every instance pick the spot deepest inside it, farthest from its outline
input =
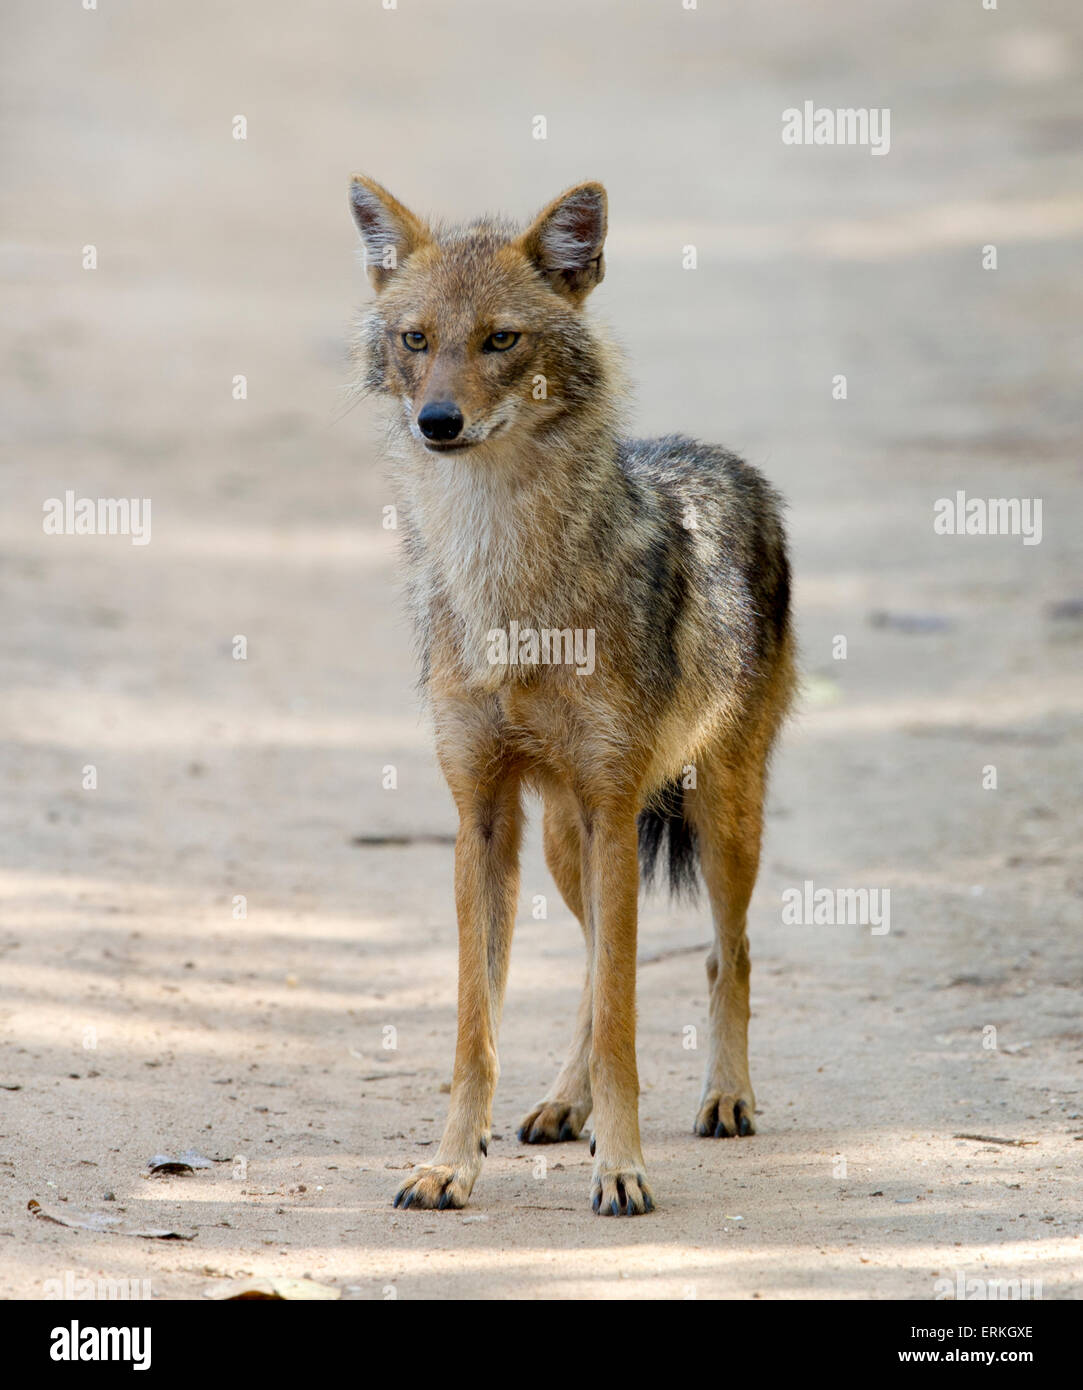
(563, 1111)
(727, 809)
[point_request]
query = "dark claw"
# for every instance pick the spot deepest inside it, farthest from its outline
(648, 1204)
(483, 1145)
(445, 1200)
(614, 1207)
(593, 1144)
(597, 1203)
(743, 1125)
(566, 1133)
(521, 1134)
(722, 1132)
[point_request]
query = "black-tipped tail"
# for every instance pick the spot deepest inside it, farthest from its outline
(665, 833)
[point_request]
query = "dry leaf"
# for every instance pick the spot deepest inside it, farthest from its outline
(91, 1221)
(101, 1224)
(294, 1290)
(183, 1163)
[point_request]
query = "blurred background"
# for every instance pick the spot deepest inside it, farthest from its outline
(263, 779)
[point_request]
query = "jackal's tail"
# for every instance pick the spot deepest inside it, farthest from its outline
(664, 830)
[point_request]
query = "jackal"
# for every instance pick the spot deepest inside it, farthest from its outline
(525, 512)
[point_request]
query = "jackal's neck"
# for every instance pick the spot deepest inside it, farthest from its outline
(516, 537)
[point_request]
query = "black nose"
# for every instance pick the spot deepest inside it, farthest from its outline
(440, 420)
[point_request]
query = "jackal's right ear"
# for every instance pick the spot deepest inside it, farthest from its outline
(565, 241)
(389, 231)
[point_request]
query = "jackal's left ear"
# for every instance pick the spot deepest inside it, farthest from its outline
(389, 231)
(565, 241)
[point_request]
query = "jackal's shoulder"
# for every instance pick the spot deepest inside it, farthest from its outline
(723, 522)
(694, 474)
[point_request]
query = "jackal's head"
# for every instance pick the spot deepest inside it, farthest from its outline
(478, 330)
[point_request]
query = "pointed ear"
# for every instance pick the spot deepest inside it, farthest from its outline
(389, 232)
(565, 241)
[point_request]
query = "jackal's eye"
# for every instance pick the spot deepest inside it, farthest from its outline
(499, 342)
(416, 342)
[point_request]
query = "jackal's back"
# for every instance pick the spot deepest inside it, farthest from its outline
(713, 549)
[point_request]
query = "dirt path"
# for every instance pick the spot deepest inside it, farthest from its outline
(139, 1015)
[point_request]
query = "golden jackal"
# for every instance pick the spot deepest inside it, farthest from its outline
(602, 619)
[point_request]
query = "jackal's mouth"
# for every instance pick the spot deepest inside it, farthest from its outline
(451, 446)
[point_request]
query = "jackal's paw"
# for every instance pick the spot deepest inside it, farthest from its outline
(724, 1115)
(437, 1187)
(553, 1122)
(621, 1193)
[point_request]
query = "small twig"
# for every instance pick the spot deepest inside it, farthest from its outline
(398, 841)
(992, 1139)
(652, 957)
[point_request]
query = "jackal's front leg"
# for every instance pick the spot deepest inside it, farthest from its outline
(611, 876)
(486, 894)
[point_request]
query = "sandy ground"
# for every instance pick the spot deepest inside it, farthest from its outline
(140, 1016)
